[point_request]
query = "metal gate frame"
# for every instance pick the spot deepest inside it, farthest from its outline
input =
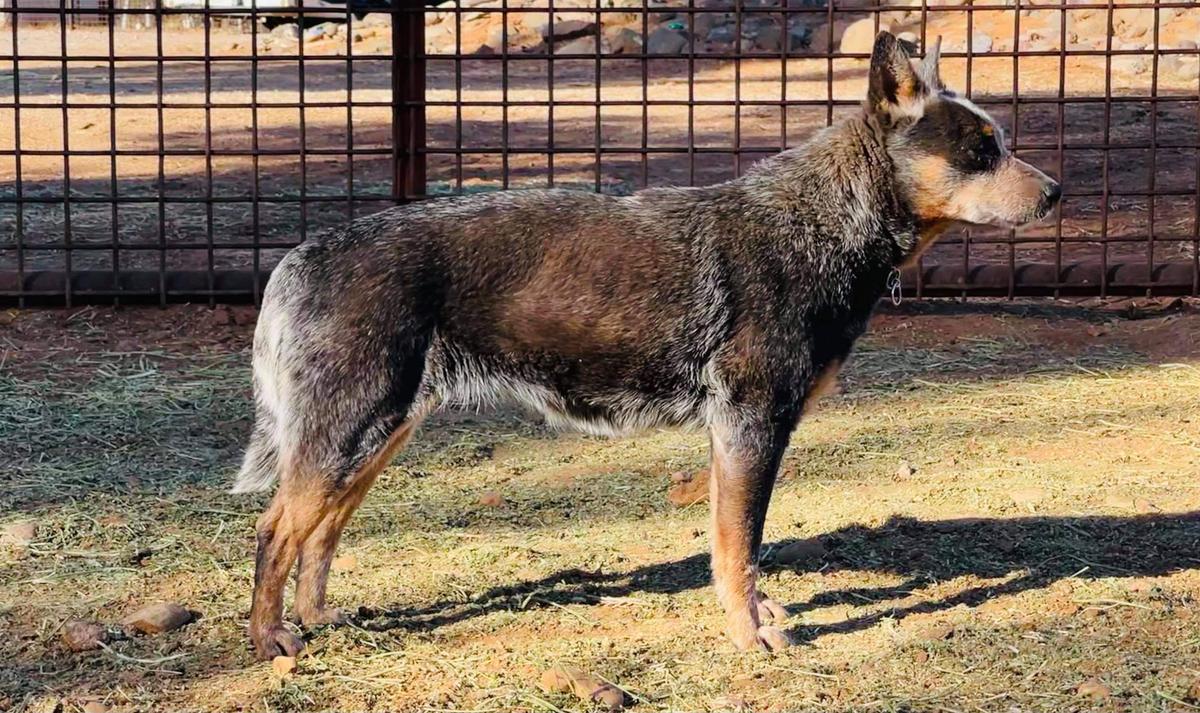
(409, 155)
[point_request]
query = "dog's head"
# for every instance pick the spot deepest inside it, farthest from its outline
(949, 155)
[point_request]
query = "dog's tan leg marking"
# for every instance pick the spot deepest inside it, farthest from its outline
(316, 554)
(928, 235)
(734, 557)
(824, 384)
(296, 510)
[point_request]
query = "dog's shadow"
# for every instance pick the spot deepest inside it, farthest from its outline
(1038, 550)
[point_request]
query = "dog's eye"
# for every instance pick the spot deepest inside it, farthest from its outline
(985, 154)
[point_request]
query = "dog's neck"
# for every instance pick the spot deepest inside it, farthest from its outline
(841, 188)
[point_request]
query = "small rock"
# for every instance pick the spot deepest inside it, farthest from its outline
(799, 551)
(1028, 495)
(219, 316)
(491, 499)
(1132, 25)
(904, 470)
(722, 34)
(1036, 42)
(859, 37)
(21, 533)
(586, 687)
(320, 32)
(732, 703)
(45, 704)
(665, 40)
(345, 563)
(800, 36)
(768, 38)
(283, 665)
(980, 42)
(1094, 689)
(376, 19)
(1116, 500)
(911, 38)
(83, 635)
(580, 45)
(690, 491)
(158, 618)
(623, 40)
(937, 632)
(497, 37)
(554, 680)
(567, 29)
(94, 707)
(1180, 66)
(701, 23)
(1131, 64)
(921, 656)
(825, 37)
(286, 31)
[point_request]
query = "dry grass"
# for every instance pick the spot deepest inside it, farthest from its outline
(1045, 538)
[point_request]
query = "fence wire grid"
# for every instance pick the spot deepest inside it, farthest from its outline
(174, 150)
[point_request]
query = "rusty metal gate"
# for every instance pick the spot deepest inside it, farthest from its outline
(174, 150)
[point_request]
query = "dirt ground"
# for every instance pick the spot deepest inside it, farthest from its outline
(129, 236)
(999, 512)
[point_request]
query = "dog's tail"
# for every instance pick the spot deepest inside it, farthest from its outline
(260, 466)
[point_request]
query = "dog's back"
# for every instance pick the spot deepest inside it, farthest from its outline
(599, 312)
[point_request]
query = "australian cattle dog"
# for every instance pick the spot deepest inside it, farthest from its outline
(724, 307)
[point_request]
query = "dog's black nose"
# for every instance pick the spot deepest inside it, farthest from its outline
(1052, 193)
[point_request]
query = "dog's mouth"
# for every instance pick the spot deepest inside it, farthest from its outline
(1045, 205)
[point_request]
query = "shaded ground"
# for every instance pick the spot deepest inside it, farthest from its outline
(1044, 532)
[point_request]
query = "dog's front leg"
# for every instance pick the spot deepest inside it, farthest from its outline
(745, 457)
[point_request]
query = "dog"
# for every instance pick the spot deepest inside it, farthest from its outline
(725, 307)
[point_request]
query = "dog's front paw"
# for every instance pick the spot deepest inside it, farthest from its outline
(276, 641)
(772, 638)
(769, 609)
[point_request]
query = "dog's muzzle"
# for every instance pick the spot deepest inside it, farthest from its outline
(1051, 194)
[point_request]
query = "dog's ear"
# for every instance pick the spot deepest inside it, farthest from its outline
(896, 90)
(928, 68)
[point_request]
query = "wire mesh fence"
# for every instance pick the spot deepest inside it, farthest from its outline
(174, 150)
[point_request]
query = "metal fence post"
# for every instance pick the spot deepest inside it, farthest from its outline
(408, 99)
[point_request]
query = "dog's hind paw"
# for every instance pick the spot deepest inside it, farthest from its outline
(277, 641)
(772, 638)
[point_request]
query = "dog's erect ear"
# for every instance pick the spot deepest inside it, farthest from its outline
(896, 89)
(929, 67)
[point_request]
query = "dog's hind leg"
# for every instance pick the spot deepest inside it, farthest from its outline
(301, 503)
(745, 459)
(316, 554)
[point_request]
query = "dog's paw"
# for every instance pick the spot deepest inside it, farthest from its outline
(328, 616)
(772, 638)
(769, 609)
(276, 641)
